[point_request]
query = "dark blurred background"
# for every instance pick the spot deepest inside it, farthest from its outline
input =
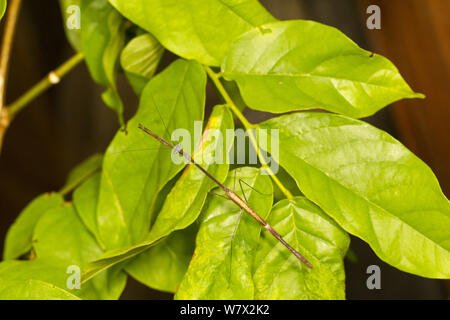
(69, 122)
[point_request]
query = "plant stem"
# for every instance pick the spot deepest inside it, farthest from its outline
(223, 92)
(248, 126)
(54, 77)
(10, 27)
(4, 121)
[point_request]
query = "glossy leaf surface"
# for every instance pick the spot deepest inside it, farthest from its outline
(136, 166)
(19, 236)
(163, 266)
(139, 60)
(202, 30)
(102, 40)
(32, 290)
(185, 201)
(227, 241)
(85, 199)
(280, 275)
(61, 238)
(182, 207)
(298, 65)
(371, 185)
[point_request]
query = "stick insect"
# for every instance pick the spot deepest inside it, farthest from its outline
(230, 194)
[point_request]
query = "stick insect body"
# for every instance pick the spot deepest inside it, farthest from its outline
(230, 193)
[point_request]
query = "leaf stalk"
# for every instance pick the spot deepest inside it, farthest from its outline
(7, 41)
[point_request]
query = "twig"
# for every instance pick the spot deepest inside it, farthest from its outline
(54, 77)
(5, 54)
(10, 27)
(4, 121)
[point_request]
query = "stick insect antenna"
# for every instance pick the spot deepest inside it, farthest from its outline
(231, 194)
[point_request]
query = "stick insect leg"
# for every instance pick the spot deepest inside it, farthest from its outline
(235, 226)
(261, 193)
(233, 196)
(231, 243)
(276, 234)
(161, 118)
(219, 195)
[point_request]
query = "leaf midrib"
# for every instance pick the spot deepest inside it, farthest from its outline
(313, 76)
(232, 10)
(155, 159)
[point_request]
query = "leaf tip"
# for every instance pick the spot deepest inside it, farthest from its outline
(420, 95)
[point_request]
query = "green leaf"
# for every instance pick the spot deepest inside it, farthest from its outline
(82, 172)
(61, 238)
(71, 14)
(287, 181)
(49, 271)
(139, 59)
(18, 238)
(32, 290)
(202, 30)
(351, 256)
(233, 90)
(2, 8)
(57, 272)
(181, 208)
(280, 275)
(371, 185)
(163, 266)
(227, 241)
(185, 201)
(85, 199)
(132, 179)
(298, 65)
(102, 40)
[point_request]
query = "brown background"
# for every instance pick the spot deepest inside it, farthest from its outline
(69, 122)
